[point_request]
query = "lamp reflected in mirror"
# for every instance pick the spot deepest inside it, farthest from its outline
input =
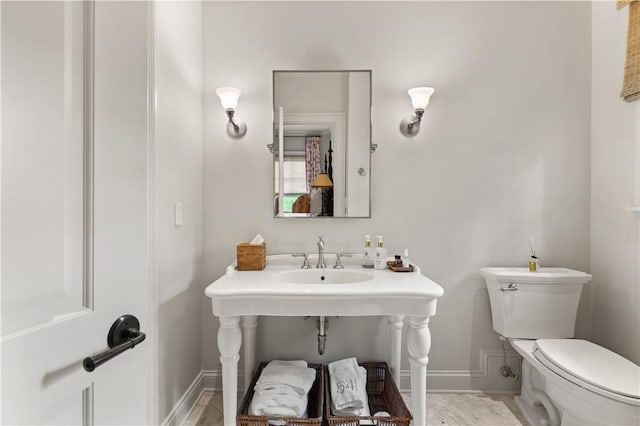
(322, 182)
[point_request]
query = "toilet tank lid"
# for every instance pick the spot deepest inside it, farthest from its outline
(542, 276)
(592, 364)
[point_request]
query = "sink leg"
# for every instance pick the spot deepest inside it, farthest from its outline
(418, 346)
(395, 334)
(249, 324)
(229, 340)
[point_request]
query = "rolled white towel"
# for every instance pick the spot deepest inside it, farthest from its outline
(286, 374)
(278, 405)
(291, 363)
(348, 385)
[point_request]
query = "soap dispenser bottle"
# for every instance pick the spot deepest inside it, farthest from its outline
(367, 253)
(380, 259)
(405, 259)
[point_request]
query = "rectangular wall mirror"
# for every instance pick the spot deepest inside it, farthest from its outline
(322, 121)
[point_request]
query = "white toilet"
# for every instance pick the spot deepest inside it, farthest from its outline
(565, 381)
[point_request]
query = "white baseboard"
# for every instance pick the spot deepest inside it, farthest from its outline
(486, 379)
(206, 380)
(212, 379)
(185, 404)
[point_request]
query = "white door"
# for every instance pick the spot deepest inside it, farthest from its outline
(75, 210)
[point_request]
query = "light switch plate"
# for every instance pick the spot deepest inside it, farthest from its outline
(177, 213)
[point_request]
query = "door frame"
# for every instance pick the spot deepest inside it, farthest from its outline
(152, 327)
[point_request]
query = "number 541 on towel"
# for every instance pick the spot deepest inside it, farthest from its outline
(342, 385)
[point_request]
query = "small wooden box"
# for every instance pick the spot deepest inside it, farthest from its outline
(251, 257)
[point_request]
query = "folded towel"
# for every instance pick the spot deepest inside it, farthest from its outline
(293, 363)
(348, 385)
(273, 419)
(277, 389)
(289, 374)
(351, 412)
(354, 412)
(276, 405)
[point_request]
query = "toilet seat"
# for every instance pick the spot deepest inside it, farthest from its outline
(591, 367)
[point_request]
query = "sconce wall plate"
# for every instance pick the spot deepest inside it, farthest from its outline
(410, 126)
(236, 127)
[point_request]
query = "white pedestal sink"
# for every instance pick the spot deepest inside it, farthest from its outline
(324, 276)
(282, 289)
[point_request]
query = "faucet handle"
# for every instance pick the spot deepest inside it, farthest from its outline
(305, 264)
(339, 257)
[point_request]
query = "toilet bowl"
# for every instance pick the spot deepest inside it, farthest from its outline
(565, 381)
(577, 383)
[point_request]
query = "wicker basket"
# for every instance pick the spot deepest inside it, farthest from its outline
(383, 395)
(314, 406)
(251, 257)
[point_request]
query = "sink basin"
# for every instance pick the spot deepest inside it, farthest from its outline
(324, 276)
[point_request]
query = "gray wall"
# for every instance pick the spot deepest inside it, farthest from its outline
(615, 232)
(503, 153)
(178, 162)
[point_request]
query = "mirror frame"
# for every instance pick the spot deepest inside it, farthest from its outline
(372, 146)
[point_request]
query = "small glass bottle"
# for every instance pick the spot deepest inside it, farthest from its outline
(367, 253)
(405, 259)
(398, 260)
(380, 256)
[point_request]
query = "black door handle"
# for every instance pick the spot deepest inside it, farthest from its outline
(124, 334)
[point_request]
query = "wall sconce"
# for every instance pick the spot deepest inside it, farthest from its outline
(236, 127)
(410, 126)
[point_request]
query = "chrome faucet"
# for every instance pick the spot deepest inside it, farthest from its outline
(321, 263)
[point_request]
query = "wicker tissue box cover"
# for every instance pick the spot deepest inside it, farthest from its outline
(251, 257)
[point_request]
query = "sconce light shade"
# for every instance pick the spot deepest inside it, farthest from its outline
(228, 97)
(236, 127)
(420, 96)
(322, 181)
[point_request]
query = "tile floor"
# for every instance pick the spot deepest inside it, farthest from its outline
(442, 409)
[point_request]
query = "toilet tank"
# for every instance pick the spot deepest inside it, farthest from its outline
(534, 305)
